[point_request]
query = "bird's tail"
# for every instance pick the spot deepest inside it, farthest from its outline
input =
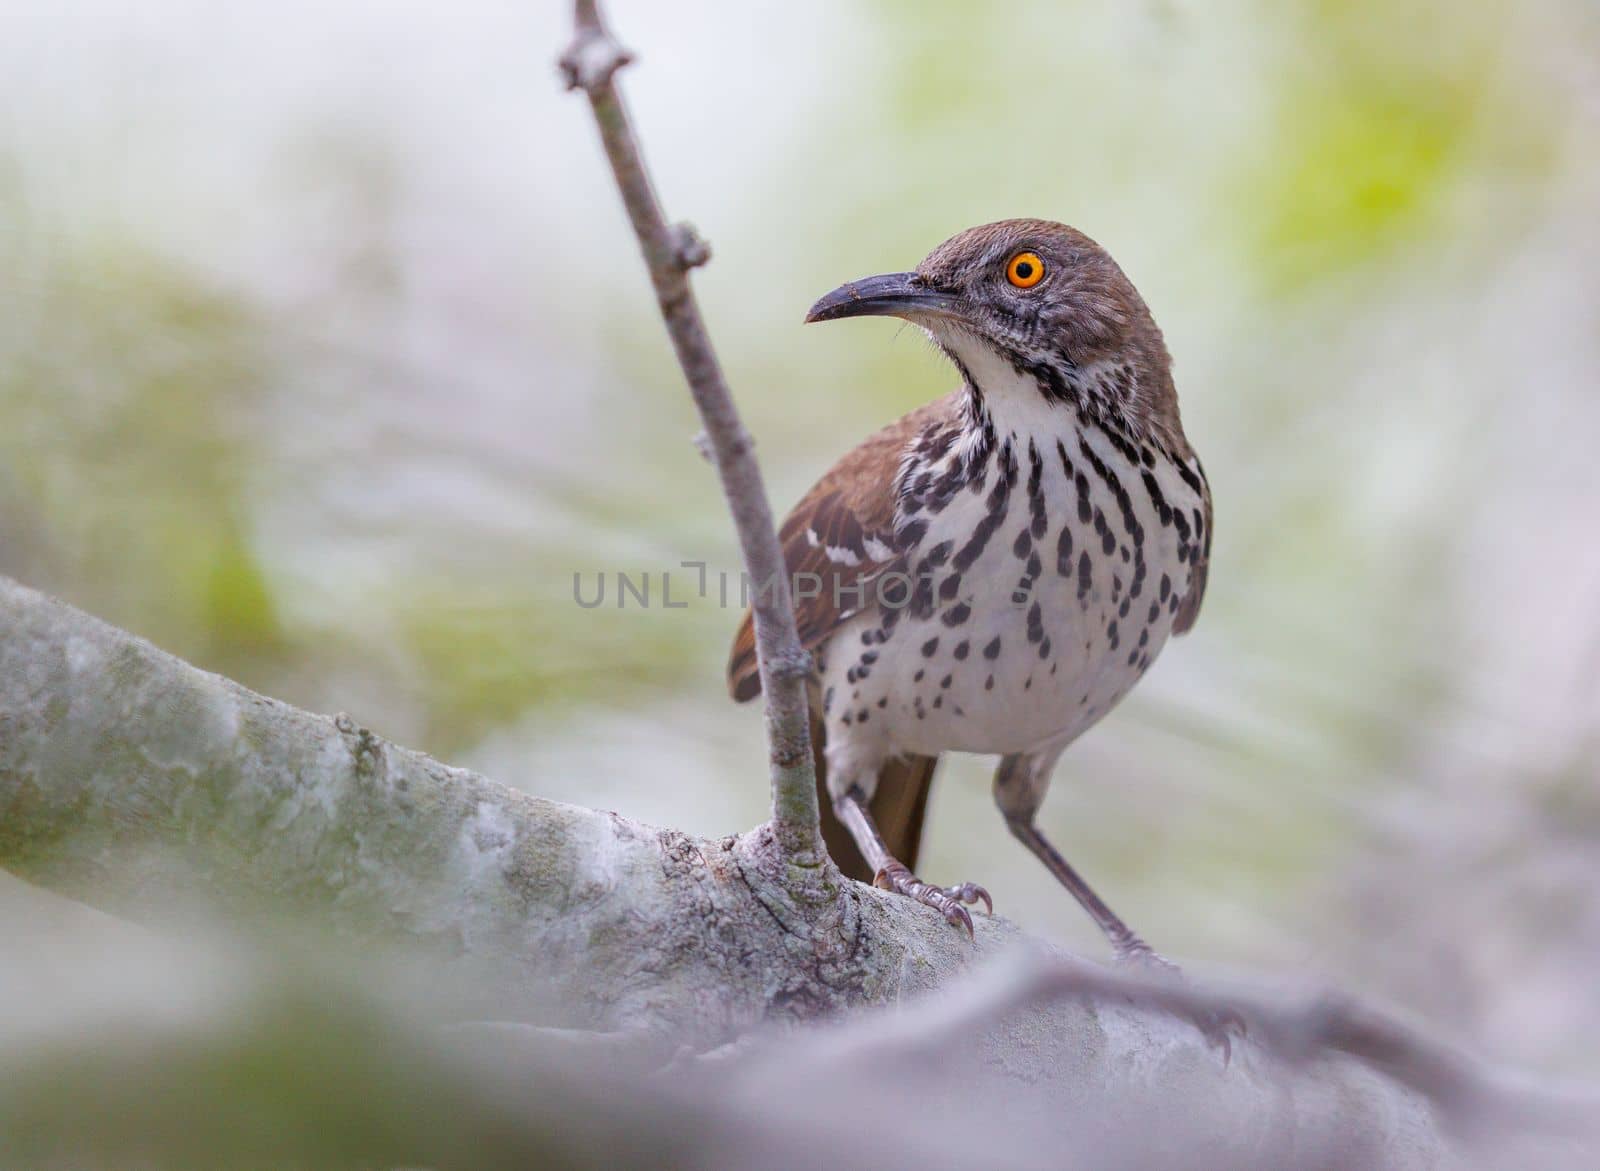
(898, 805)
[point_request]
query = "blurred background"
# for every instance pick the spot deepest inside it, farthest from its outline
(327, 361)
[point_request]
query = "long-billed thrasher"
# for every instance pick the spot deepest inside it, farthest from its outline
(994, 571)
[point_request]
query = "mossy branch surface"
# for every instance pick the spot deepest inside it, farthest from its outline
(132, 780)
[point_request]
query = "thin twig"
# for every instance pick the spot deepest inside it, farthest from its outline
(590, 64)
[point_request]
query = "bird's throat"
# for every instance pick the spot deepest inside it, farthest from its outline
(1004, 401)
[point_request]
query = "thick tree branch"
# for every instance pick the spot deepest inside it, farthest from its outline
(590, 64)
(131, 779)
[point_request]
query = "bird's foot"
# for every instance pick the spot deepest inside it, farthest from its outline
(1217, 1024)
(947, 900)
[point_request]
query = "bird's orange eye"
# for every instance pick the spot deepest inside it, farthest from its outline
(1025, 270)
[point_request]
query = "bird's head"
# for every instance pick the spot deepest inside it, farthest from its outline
(1040, 300)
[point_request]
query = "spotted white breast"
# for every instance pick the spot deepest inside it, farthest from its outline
(1046, 560)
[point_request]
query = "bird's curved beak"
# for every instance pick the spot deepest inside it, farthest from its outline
(895, 294)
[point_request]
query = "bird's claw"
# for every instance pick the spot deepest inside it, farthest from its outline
(1218, 1024)
(972, 894)
(948, 901)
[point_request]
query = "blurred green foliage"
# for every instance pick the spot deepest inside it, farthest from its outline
(1379, 116)
(1348, 176)
(124, 394)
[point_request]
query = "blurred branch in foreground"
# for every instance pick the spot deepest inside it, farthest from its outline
(137, 782)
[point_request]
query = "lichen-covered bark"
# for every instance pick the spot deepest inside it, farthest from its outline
(131, 780)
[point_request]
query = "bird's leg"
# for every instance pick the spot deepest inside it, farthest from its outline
(892, 874)
(1019, 786)
(1126, 944)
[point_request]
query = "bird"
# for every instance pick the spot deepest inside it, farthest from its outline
(994, 571)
